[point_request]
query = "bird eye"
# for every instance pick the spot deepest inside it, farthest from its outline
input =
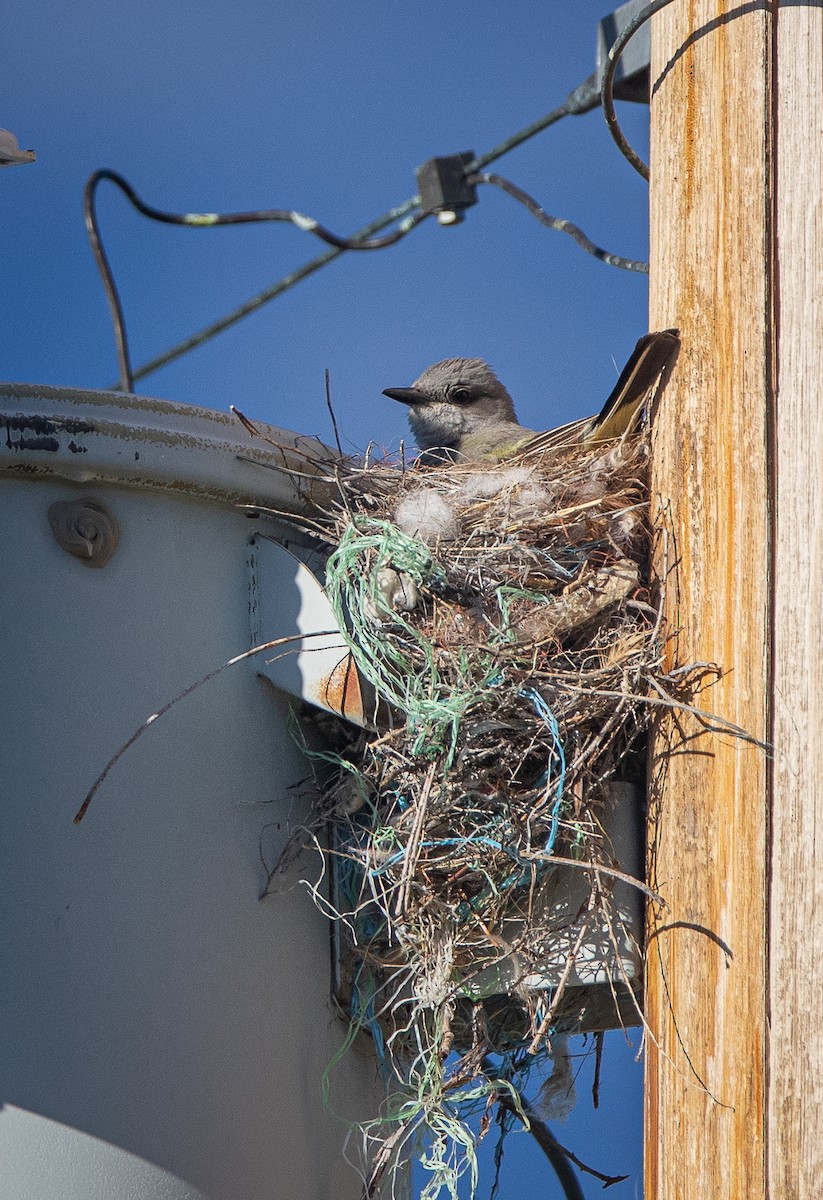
(460, 395)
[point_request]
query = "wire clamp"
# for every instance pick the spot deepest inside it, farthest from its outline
(444, 190)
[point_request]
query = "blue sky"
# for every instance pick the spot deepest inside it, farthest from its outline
(327, 108)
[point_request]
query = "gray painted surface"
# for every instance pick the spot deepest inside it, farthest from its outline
(162, 1029)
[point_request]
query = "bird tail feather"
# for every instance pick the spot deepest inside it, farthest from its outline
(621, 412)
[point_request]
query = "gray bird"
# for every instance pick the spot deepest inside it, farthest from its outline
(459, 409)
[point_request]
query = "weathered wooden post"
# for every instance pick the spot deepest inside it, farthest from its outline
(734, 978)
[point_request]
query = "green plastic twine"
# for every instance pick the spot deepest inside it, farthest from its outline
(400, 662)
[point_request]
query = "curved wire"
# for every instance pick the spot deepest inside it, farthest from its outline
(581, 99)
(307, 224)
(607, 86)
(202, 220)
(118, 320)
(270, 293)
(560, 224)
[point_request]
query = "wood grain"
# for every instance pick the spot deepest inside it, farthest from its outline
(795, 1101)
(711, 196)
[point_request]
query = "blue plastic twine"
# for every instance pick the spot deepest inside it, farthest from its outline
(557, 758)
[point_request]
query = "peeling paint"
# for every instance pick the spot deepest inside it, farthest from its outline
(181, 448)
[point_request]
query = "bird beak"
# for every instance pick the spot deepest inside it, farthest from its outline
(405, 395)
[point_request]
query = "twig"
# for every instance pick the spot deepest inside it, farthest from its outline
(597, 869)
(599, 1039)
(545, 1024)
(141, 729)
(331, 413)
(557, 1154)
(413, 846)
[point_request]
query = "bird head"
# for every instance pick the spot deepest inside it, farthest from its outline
(453, 399)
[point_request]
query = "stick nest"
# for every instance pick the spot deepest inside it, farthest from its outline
(504, 620)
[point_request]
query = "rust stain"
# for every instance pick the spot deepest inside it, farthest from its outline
(689, 115)
(340, 690)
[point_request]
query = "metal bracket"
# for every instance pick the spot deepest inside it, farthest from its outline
(287, 600)
(632, 75)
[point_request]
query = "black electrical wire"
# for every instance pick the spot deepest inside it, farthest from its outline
(200, 220)
(270, 293)
(307, 224)
(560, 224)
(581, 99)
(607, 87)
(112, 295)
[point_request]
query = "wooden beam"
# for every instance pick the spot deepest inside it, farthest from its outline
(711, 231)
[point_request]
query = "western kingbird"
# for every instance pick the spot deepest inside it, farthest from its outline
(459, 409)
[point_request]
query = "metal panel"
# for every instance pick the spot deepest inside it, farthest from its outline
(162, 1031)
(286, 597)
(110, 437)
